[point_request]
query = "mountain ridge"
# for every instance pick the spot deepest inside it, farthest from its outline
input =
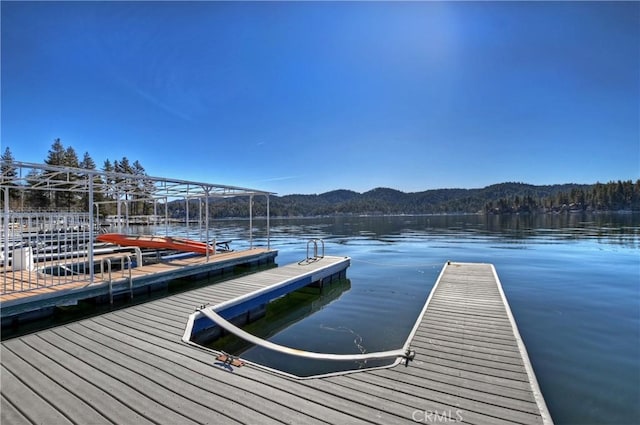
(509, 197)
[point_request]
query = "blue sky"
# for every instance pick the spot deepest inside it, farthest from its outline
(304, 97)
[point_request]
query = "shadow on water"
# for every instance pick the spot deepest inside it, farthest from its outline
(282, 313)
(291, 310)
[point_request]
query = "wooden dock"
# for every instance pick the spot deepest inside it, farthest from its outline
(130, 366)
(61, 289)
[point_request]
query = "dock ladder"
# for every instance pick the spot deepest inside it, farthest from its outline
(315, 257)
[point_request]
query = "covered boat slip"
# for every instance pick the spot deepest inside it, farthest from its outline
(130, 366)
(54, 246)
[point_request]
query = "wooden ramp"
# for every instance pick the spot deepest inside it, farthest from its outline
(130, 366)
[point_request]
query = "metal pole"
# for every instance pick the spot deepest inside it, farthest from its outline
(206, 220)
(91, 229)
(6, 236)
(200, 218)
(126, 211)
(166, 216)
(268, 225)
(250, 221)
(155, 213)
(118, 213)
(186, 202)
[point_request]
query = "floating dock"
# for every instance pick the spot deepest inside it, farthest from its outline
(128, 281)
(130, 366)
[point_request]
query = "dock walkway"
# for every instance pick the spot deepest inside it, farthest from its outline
(130, 366)
(62, 290)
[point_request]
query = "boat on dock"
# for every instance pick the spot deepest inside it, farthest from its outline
(157, 242)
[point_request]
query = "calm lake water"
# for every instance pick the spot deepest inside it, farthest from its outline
(572, 281)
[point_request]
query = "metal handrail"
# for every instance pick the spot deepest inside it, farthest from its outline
(138, 252)
(128, 259)
(108, 261)
(315, 249)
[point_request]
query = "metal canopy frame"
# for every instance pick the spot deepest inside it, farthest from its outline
(59, 178)
(118, 188)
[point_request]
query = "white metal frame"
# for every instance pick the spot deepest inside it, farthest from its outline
(118, 188)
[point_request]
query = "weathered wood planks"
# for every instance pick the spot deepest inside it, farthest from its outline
(129, 366)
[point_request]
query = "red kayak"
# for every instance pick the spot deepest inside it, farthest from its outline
(158, 242)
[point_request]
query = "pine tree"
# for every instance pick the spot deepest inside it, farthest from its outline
(8, 168)
(71, 160)
(87, 163)
(9, 174)
(56, 155)
(36, 199)
(139, 190)
(109, 191)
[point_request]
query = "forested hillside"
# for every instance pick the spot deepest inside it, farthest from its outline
(495, 199)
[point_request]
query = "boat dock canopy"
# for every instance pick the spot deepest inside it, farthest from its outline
(60, 238)
(55, 178)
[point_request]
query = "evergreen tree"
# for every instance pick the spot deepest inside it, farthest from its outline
(109, 191)
(56, 157)
(36, 199)
(9, 170)
(9, 174)
(71, 158)
(107, 166)
(124, 185)
(87, 163)
(139, 191)
(123, 166)
(71, 198)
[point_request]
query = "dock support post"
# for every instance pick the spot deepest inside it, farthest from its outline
(91, 230)
(251, 221)
(108, 261)
(6, 235)
(186, 208)
(130, 276)
(268, 225)
(206, 219)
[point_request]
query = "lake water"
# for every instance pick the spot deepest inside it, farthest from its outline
(572, 281)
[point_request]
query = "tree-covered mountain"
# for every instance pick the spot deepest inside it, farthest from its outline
(495, 199)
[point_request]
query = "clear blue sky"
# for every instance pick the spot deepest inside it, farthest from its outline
(299, 97)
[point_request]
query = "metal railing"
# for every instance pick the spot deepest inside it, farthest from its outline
(124, 260)
(48, 249)
(108, 262)
(42, 249)
(315, 249)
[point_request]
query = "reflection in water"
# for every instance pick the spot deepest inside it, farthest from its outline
(572, 281)
(282, 313)
(607, 228)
